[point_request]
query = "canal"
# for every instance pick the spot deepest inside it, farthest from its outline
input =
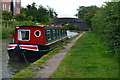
(9, 68)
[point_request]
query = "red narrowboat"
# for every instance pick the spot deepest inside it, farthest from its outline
(33, 41)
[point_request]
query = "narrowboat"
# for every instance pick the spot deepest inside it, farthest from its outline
(33, 41)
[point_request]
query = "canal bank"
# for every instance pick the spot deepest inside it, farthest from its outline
(52, 64)
(33, 69)
(88, 58)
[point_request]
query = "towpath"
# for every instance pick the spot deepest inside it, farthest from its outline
(52, 64)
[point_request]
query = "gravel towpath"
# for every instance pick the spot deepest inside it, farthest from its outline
(52, 64)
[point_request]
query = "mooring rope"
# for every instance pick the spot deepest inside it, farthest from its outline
(25, 58)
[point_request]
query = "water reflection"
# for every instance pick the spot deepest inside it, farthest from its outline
(71, 33)
(9, 68)
(12, 67)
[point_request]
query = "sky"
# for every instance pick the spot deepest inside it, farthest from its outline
(64, 8)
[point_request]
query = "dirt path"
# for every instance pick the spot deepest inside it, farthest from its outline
(52, 64)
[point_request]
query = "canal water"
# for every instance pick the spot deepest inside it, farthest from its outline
(71, 33)
(9, 68)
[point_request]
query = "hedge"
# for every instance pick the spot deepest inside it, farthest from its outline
(105, 25)
(7, 29)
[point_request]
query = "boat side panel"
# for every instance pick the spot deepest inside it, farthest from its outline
(33, 38)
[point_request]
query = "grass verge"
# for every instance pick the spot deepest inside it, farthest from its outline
(7, 32)
(29, 72)
(88, 58)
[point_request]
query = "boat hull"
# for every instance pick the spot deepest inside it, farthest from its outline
(31, 52)
(22, 54)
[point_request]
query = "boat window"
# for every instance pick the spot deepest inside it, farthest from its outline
(54, 35)
(62, 32)
(23, 34)
(37, 33)
(48, 34)
(59, 32)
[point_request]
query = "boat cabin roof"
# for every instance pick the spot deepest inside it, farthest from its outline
(40, 26)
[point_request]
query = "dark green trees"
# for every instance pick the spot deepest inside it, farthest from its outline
(71, 27)
(40, 14)
(6, 15)
(20, 17)
(86, 13)
(105, 24)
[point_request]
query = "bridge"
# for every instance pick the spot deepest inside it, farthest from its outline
(80, 23)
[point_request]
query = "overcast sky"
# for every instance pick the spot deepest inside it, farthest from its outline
(64, 8)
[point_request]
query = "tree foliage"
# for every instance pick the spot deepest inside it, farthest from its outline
(105, 25)
(20, 17)
(52, 13)
(86, 13)
(104, 22)
(40, 13)
(6, 15)
(29, 18)
(70, 27)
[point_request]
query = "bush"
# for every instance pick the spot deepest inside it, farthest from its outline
(14, 23)
(71, 27)
(29, 18)
(105, 25)
(7, 32)
(20, 17)
(6, 15)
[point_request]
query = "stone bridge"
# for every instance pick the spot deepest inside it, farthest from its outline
(80, 23)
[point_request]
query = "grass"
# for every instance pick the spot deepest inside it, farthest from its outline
(29, 72)
(7, 32)
(88, 58)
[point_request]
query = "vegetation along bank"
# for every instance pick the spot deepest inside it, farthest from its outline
(31, 70)
(88, 58)
(28, 16)
(104, 22)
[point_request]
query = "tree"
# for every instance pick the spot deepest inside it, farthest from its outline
(90, 14)
(43, 14)
(52, 13)
(6, 15)
(20, 17)
(105, 25)
(70, 27)
(40, 13)
(29, 18)
(30, 10)
(81, 11)
(87, 13)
